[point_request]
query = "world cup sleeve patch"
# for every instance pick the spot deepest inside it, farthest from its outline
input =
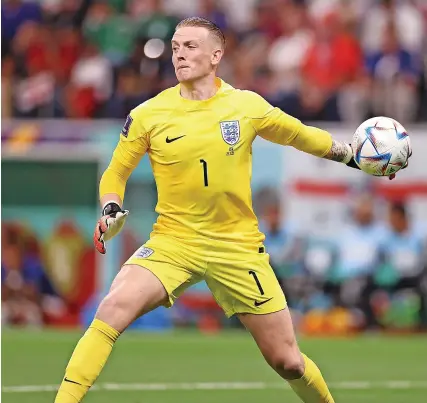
(144, 252)
(126, 127)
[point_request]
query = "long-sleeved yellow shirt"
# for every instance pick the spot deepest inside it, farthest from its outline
(201, 156)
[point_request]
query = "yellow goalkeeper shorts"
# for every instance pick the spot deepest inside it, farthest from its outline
(238, 275)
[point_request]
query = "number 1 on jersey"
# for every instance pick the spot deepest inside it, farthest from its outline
(205, 171)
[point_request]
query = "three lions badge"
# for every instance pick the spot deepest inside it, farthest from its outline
(230, 131)
(144, 252)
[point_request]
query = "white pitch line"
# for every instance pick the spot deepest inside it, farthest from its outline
(350, 385)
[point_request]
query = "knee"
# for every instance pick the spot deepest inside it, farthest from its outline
(113, 303)
(288, 366)
(114, 310)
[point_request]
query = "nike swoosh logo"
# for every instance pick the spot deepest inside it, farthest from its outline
(168, 140)
(69, 380)
(256, 303)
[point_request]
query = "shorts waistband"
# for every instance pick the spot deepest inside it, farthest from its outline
(206, 243)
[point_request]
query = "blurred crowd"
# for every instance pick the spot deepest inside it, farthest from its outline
(23, 280)
(316, 59)
(375, 268)
(372, 274)
(45, 281)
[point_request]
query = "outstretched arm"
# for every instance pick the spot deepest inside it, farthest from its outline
(320, 143)
(311, 138)
(276, 126)
(340, 152)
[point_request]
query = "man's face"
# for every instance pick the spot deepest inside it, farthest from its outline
(397, 220)
(195, 53)
(272, 216)
(364, 211)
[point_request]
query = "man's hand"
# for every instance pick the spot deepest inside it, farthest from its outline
(343, 152)
(109, 225)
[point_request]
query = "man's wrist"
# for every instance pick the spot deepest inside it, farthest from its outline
(340, 152)
(111, 208)
(349, 155)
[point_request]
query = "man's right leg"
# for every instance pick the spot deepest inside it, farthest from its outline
(134, 291)
(274, 335)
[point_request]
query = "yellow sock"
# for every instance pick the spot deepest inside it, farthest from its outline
(311, 388)
(87, 361)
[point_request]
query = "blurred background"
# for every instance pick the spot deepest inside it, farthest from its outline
(349, 250)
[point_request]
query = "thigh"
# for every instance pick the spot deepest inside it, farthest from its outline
(174, 265)
(135, 290)
(245, 286)
(275, 337)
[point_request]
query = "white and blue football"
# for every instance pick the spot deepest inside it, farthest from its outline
(381, 146)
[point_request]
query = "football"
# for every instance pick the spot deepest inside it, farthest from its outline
(381, 146)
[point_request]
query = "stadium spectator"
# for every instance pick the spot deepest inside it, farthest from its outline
(285, 247)
(402, 14)
(7, 82)
(395, 73)
(400, 272)
(296, 40)
(114, 34)
(93, 70)
(358, 243)
(26, 289)
(130, 92)
(331, 63)
(303, 56)
(68, 51)
(35, 84)
(404, 253)
(15, 13)
(282, 242)
(357, 257)
(211, 10)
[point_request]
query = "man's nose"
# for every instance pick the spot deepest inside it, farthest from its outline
(180, 54)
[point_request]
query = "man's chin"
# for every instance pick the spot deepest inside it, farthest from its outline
(184, 77)
(183, 80)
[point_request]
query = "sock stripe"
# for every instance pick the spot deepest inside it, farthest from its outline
(106, 329)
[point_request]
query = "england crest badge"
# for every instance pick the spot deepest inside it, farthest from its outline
(230, 130)
(144, 252)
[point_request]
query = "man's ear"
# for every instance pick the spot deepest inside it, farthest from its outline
(216, 56)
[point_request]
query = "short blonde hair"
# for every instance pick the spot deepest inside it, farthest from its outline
(203, 23)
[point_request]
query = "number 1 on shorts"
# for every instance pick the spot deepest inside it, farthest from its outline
(252, 273)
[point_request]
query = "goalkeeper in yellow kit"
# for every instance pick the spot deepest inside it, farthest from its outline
(198, 136)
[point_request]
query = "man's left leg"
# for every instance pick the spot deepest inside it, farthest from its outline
(275, 337)
(244, 283)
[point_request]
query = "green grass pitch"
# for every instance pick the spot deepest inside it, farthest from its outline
(189, 367)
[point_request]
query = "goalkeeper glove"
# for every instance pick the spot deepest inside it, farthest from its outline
(109, 225)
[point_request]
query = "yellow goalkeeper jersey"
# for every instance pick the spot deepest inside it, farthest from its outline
(201, 157)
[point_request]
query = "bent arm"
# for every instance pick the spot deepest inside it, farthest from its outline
(125, 158)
